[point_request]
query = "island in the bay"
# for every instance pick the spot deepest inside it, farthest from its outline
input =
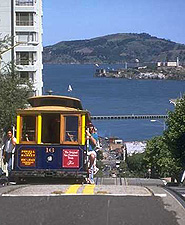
(160, 70)
(167, 58)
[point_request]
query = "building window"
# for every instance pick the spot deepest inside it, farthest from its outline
(26, 37)
(27, 75)
(24, 19)
(24, 2)
(25, 58)
(28, 130)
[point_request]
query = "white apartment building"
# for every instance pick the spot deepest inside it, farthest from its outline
(22, 20)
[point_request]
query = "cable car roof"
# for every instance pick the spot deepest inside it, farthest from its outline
(51, 109)
(54, 100)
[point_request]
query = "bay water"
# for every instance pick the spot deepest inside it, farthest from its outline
(114, 96)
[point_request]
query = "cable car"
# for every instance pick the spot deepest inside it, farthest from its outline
(51, 138)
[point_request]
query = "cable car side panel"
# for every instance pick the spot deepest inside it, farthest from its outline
(49, 160)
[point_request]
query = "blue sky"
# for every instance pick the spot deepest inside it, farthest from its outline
(66, 20)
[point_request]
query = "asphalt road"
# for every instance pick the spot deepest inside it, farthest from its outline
(110, 202)
(83, 210)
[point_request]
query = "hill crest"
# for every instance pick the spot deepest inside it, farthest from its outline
(114, 48)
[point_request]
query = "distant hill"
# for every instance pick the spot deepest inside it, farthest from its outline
(115, 48)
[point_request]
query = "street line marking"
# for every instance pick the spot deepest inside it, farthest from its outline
(160, 195)
(73, 189)
(89, 189)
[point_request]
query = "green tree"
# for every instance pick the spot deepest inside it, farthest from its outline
(136, 165)
(165, 155)
(5, 44)
(159, 158)
(14, 92)
(124, 170)
(175, 135)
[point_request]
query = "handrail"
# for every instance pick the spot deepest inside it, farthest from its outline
(25, 62)
(24, 23)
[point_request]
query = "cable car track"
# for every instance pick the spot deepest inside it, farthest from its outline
(178, 193)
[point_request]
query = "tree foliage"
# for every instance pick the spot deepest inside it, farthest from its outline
(13, 95)
(175, 135)
(124, 170)
(136, 165)
(5, 43)
(14, 90)
(159, 159)
(165, 155)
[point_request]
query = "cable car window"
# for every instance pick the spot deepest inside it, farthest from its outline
(71, 128)
(28, 128)
(51, 128)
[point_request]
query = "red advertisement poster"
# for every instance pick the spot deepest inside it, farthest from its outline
(70, 158)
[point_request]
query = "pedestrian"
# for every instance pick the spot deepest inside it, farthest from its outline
(8, 148)
(92, 138)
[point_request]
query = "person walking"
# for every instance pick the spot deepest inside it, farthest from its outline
(92, 137)
(8, 148)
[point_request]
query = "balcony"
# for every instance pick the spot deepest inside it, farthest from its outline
(24, 23)
(27, 38)
(24, 2)
(27, 66)
(24, 62)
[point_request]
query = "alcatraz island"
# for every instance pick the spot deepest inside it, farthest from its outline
(159, 70)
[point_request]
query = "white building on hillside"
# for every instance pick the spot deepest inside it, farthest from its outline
(169, 64)
(22, 20)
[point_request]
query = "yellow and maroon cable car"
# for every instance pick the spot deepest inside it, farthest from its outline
(51, 138)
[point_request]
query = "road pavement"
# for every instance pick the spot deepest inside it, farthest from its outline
(83, 210)
(108, 203)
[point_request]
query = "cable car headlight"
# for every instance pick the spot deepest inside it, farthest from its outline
(50, 158)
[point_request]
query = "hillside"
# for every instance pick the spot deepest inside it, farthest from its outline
(115, 48)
